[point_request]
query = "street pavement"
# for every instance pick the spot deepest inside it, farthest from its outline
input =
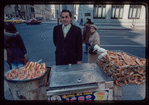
(38, 40)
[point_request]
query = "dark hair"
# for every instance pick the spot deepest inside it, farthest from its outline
(10, 27)
(89, 21)
(66, 11)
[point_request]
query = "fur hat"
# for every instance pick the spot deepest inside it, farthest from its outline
(94, 26)
(88, 18)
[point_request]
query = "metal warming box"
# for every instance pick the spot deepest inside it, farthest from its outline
(79, 82)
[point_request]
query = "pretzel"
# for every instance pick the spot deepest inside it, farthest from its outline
(126, 70)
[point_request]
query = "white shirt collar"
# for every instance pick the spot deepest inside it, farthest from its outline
(68, 26)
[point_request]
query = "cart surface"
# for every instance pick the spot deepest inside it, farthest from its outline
(87, 80)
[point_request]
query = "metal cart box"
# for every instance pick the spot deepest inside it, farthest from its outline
(79, 82)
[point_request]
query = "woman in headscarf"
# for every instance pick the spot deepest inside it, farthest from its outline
(93, 40)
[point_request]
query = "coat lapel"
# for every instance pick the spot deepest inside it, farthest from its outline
(61, 32)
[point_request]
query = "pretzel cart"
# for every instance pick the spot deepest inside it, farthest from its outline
(79, 82)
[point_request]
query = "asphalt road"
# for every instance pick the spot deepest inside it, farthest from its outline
(38, 40)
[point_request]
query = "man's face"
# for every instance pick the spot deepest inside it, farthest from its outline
(66, 19)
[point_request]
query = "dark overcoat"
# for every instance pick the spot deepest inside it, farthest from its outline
(68, 49)
(15, 47)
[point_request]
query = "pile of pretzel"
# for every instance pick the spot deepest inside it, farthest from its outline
(122, 59)
(124, 69)
(30, 71)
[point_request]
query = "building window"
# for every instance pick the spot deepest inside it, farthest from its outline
(99, 11)
(32, 9)
(87, 14)
(117, 11)
(134, 12)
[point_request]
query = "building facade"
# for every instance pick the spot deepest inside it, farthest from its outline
(19, 11)
(43, 11)
(9, 11)
(126, 15)
(53, 11)
(58, 9)
(70, 8)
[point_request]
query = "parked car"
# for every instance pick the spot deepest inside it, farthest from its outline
(33, 21)
(23, 21)
(7, 20)
(39, 18)
(27, 21)
(15, 21)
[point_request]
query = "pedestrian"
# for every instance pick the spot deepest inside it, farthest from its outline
(93, 40)
(68, 41)
(14, 45)
(81, 22)
(87, 33)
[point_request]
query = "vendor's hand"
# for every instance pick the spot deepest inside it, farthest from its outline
(78, 62)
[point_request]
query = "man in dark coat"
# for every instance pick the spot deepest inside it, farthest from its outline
(68, 41)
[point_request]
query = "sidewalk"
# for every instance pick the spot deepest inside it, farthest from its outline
(110, 27)
(105, 27)
(140, 38)
(99, 27)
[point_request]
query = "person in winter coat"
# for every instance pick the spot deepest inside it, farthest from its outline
(87, 33)
(81, 22)
(68, 41)
(14, 46)
(93, 40)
